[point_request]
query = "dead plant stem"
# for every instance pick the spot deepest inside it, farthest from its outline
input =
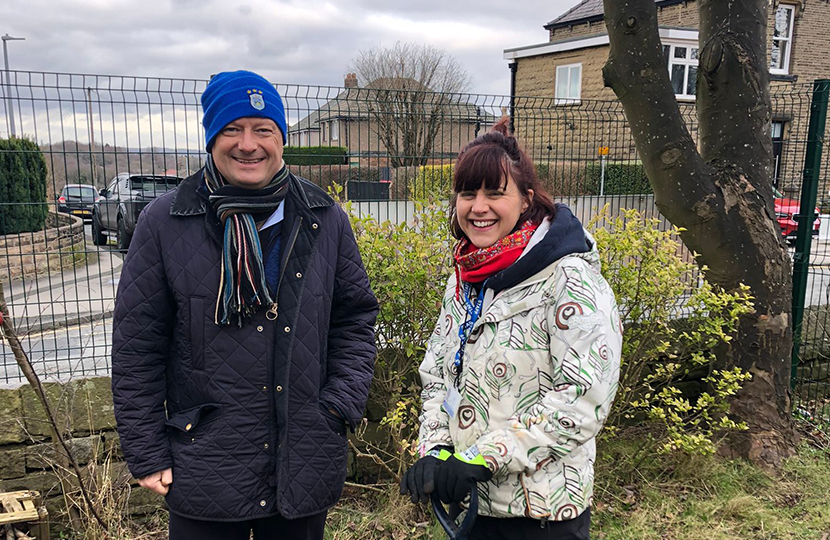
(37, 386)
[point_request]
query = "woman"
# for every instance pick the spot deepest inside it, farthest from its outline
(523, 364)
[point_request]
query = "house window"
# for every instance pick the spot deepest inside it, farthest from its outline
(325, 130)
(568, 84)
(682, 60)
(777, 150)
(782, 40)
(335, 130)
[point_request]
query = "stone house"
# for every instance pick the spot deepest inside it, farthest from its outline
(585, 120)
(360, 118)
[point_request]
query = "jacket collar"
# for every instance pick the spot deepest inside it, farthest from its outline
(189, 201)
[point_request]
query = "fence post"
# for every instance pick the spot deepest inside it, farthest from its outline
(806, 217)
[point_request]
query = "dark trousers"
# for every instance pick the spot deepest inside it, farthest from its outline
(489, 528)
(271, 528)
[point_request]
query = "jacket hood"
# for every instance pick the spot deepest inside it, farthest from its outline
(565, 236)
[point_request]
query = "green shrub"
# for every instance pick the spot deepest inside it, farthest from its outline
(621, 178)
(660, 347)
(430, 182)
(315, 155)
(563, 178)
(23, 205)
(408, 266)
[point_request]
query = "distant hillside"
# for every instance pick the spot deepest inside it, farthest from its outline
(73, 163)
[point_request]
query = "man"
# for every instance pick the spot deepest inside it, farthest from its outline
(243, 341)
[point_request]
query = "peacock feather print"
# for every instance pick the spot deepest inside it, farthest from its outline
(477, 398)
(579, 289)
(512, 336)
(498, 375)
(532, 391)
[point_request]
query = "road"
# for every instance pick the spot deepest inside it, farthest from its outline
(65, 353)
(64, 319)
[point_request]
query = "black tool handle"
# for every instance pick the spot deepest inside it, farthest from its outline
(454, 530)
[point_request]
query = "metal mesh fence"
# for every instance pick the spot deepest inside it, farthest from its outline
(132, 138)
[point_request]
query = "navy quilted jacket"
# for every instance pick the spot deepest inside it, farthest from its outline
(241, 414)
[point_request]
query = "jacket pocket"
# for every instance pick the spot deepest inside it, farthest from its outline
(335, 423)
(197, 332)
(184, 424)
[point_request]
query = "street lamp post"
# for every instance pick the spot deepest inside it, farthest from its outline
(6, 38)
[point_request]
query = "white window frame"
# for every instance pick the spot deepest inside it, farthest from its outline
(688, 62)
(785, 69)
(567, 99)
(335, 130)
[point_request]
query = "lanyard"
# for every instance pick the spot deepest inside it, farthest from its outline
(465, 329)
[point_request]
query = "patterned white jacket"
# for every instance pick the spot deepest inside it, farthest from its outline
(540, 371)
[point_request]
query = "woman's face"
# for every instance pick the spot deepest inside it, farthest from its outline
(487, 216)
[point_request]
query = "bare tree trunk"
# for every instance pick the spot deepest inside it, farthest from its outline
(722, 196)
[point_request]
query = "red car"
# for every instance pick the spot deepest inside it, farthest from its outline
(785, 210)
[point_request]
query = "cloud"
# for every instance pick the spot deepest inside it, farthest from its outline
(290, 41)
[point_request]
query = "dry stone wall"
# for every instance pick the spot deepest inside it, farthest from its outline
(61, 245)
(84, 413)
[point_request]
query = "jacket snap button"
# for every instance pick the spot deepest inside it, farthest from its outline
(279, 388)
(188, 427)
(193, 439)
(259, 328)
(265, 446)
(313, 225)
(299, 275)
(264, 388)
(287, 329)
(262, 503)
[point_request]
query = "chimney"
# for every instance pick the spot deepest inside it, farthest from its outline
(351, 80)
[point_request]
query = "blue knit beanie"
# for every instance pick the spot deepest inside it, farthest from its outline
(232, 95)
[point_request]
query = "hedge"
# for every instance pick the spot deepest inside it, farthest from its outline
(620, 179)
(23, 205)
(315, 155)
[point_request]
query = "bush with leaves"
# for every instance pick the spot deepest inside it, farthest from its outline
(620, 178)
(674, 321)
(430, 182)
(408, 265)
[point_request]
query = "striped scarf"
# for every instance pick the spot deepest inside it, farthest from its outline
(242, 287)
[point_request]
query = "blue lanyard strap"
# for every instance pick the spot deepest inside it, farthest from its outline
(465, 329)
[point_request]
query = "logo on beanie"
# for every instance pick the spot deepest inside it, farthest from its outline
(257, 101)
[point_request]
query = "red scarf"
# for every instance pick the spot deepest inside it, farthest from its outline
(475, 265)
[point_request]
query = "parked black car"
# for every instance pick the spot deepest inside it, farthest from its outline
(118, 206)
(77, 199)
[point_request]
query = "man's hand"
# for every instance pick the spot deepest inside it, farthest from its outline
(158, 481)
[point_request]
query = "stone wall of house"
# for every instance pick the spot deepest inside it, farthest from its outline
(569, 131)
(59, 246)
(808, 62)
(683, 15)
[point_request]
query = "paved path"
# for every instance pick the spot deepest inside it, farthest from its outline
(64, 299)
(64, 320)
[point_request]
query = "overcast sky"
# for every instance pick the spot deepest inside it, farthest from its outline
(288, 41)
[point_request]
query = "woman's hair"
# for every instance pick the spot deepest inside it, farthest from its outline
(487, 162)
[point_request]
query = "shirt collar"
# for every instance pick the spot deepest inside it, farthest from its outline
(275, 218)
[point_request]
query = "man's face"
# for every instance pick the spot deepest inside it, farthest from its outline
(248, 152)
